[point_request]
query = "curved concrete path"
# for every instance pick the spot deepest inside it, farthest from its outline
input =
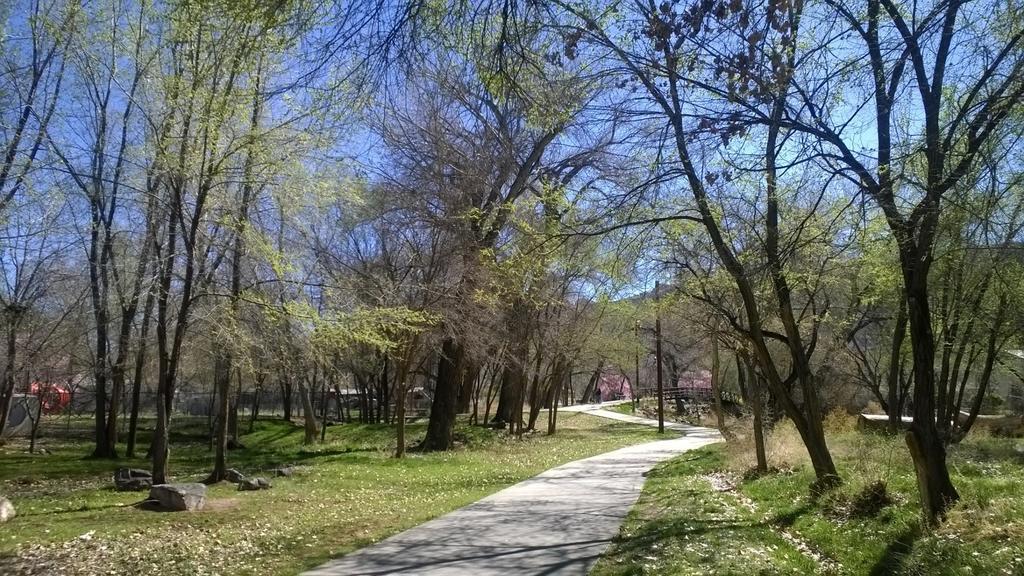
(558, 522)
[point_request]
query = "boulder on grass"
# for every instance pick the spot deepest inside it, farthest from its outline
(179, 497)
(253, 484)
(132, 479)
(233, 475)
(6, 510)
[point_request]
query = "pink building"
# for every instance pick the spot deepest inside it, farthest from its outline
(614, 387)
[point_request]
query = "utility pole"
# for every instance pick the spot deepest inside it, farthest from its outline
(636, 383)
(657, 353)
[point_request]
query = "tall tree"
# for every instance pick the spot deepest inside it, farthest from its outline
(97, 162)
(958, 86)
(211, 57)
(663, 65)
(32, 66)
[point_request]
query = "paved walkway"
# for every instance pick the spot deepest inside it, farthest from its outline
(556, 523)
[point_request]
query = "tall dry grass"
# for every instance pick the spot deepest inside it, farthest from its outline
(869, 456)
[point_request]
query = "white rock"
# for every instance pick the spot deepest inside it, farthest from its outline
(6, 509)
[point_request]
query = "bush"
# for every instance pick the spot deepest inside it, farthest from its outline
(871, 500)
(838, 421)
(868, 502)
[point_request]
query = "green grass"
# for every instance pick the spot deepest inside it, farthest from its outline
(681, 525)
(984, 533)
(347, 493)
(626, 408)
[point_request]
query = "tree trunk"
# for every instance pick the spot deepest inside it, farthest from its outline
(323, 410)
(212, 416)
(400, 418)
(506, 396)
(899, 333)
(513, 380)
(752, 390)
(927, 449)
(161, 440)
(659, 378)
(222, 385)
(346, 406)
(400, 394)
(450, 370)
(228, 408)
(534, 401)
(129, 309)
(98, 284)
(591, 389)
(255, 414)
(716, 386)
(535, 394)
(160, 446)
(468, 379)
(558, 381)
(308, 414)
(478, 386)
(286, 396)
(170, 343)
(384, 403)
(36, 420)
(233, 421)
(140, 364)
(341, 401)
(364, 396)
(7, 385)
(234, 407)
(489, 399)
(518, 426)
(992, 350)
(102, 449)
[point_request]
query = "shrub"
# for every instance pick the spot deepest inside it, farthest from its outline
(868, 502)
(838, 421)
(871, 500)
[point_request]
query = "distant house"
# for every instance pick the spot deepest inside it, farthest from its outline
(612, 386)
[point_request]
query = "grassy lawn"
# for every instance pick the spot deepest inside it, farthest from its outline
(681, 525)
(346, 493)
(626, 408)
(687, 522)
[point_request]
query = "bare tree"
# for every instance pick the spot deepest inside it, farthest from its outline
(32, 68)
